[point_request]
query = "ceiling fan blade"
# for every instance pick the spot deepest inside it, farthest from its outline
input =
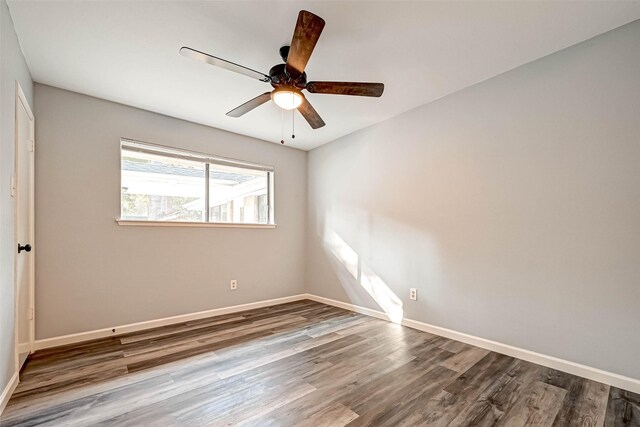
(310, 114)
(347, 88)
(305, 36)
(227, 65)
(250, 105)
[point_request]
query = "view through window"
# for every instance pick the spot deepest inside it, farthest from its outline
(161, 184)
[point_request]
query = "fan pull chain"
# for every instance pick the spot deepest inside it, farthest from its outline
(293, 123)
(282, 127)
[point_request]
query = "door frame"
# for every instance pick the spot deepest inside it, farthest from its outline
(21, 101)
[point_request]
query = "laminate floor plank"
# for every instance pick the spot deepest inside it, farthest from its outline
(585, 404)
(38, 402)
(472, 382)
(498, 397)
(333, 415)
(371, 395)
(179, 329)
(335, 381)
(401, 402)
(538, 405)
(465, 359)
(53, 387)
(305, 364)
(249, 409)
(236, 328)
(74, 412)
(623, 409)
(313, 346)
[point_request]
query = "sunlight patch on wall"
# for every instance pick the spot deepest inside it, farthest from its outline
(364, 276)
(381, 294)
(343, 252)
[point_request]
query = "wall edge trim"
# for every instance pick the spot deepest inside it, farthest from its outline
(8, 391)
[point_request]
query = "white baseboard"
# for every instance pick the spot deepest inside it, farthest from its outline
(584, 371)
(350, 307)
(573, 368)
(133, 327)
(8, 391)
(24, 347)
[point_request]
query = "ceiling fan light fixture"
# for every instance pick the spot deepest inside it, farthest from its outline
(287, 98)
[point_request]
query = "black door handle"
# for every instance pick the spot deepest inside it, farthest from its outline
(26, 248)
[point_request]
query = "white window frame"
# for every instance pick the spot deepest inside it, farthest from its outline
(127, 144)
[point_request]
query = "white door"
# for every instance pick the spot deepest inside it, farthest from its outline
(24, 194)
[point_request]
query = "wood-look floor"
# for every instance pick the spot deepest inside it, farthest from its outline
(302, 363)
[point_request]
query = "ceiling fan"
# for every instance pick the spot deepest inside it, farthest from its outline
(289, 79)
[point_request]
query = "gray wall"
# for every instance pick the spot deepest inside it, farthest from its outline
(12, 68)
(513, 206)
(92, 273)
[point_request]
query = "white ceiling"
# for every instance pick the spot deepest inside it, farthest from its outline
(127, 51)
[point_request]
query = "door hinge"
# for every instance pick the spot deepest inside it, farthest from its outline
(13, 186)
(32, 145)
(31, 313)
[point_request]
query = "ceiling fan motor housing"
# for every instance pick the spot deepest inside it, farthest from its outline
(280, 77)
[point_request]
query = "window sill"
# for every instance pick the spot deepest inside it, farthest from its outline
(136, 223)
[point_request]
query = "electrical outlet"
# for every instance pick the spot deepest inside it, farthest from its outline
(413, 294)
(233, 285)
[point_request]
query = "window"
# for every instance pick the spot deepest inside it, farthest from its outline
(170, 185)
